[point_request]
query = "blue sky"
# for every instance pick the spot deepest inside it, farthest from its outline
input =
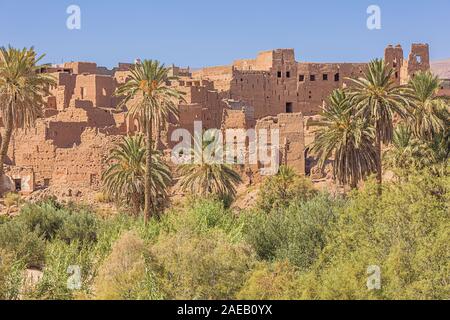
(215, 32)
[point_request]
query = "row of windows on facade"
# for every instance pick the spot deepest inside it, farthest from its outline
(312, 77)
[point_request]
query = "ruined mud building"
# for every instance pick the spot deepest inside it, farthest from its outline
(69, 146)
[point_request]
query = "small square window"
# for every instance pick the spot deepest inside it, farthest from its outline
(312, 77)
(301, 78)
(336, 77)
(279, 74)
(325, 77)
(288, 74)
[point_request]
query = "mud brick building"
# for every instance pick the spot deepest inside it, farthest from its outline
(70, 144)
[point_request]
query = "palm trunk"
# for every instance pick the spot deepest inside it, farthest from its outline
(379, 161)
(136, 203)
(5, 142)
(148, 173)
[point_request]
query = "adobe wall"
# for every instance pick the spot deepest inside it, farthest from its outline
(18, 179)
(292, 141)
(275, 83)
(70, 144)
(81, 67)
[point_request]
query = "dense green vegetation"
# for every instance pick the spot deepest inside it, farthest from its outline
(315, 247)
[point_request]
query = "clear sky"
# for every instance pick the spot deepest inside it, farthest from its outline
(215, 32)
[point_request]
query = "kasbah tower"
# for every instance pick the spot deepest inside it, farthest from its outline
(70, 145)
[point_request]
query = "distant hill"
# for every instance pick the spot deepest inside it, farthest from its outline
(441, 68)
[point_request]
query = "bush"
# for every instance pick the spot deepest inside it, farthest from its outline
(52, 221)
(26, 246)
(101, 197)
(124, 274)
(11, 276)
(279, 191)
(405, 232)
(200, 266)
(44, 218)
(202, 216)
(81, 227)
(12, 199)
(297, 234)
(276, 281)
(54, 284)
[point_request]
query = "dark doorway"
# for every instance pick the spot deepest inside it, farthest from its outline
(18, 184)
(289, 108)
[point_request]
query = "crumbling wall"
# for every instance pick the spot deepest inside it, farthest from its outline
(292, 140)
(82, 165)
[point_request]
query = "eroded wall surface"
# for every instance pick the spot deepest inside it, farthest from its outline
(70, 145)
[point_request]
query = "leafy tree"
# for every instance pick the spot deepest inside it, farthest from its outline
(205, 266)
(152, 102)
(296, 234)
(376, 97)
(278, 191)
(405, 232)
(276, 281)
(348, 139)
(25, 245)
(125, 275)
(124, 179)
(22, 91)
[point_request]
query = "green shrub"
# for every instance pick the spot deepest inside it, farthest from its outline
(44, 218)
(124, 274)
(405, 232)
(200, 266)
(12, 199)
(297, 234)
(203, 215)
(81, 227)
(55, 280)
(277, 192)
(26, 246)
(53, 221)
(276, 281)
(11, 276)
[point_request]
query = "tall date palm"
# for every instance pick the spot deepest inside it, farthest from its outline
(347, 139)
(124, 179)
(429, 112)
(378, 98)
(22, 91)
(151, 102)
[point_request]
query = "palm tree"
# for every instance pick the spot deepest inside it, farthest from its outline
(22, 91)
(408, 152)
(376, 97)
(152, 102)
(124, 179)
(205, 177)
(348, 139)
(429, 112)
